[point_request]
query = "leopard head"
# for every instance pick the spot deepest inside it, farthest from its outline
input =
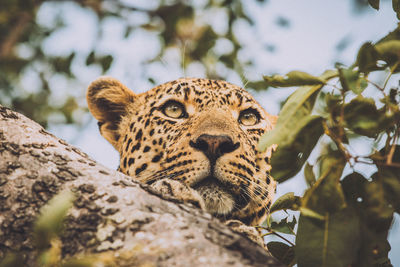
(201, 132)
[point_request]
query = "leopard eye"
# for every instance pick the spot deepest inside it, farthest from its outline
(249, 117)
(174, 109)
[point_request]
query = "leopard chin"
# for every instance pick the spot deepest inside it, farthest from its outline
(218, 200)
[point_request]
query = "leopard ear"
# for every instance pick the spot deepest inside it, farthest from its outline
(108, 100)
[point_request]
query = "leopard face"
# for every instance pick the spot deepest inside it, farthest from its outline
(202, 133)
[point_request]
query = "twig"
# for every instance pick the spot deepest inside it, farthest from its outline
(377, 86)
(338, 143)
(271, 232)
(392, 69)
(392, 149)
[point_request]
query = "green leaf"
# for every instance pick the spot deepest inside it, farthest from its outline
(374, 4)
(293, 78)
(362, 117)
(351, 80)
(368, 200)
(292, 153)
(374, 248)
(50, 222)
(312, 214)
(333, 242)
(396, 7)
(298, 105)
(287, 201)
(309, 174)
(326, 195)
(391, 186)
(389, 177)
(389, 51)
(393, 35)
(105, 62)
(90, 59)
(367, 58)
(378, 210)
(354, 187)
(281, 251)
(284, 226)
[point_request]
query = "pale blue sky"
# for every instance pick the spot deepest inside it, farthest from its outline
(316, 28)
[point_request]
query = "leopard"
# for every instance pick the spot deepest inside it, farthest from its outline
(192, 139)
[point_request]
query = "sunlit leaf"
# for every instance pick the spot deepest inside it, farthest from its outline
(351, 80)
(287, 201)
(293, 78)
(281, 251)
(293, 152)
(389, 51)
(390, 47)
(297, 106)
(311, 214)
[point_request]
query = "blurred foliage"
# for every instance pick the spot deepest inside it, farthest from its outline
(177, 23)
(345, 215)
(28, 72)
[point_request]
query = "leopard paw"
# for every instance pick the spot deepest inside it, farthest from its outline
(250, 231)
(179, 191)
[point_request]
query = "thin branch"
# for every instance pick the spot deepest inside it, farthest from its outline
(271, 232)
(392, 149)
(392, 69)
(377, 86)
(338, 143)
(363, 161)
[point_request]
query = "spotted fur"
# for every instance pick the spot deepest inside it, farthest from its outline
(229, 178)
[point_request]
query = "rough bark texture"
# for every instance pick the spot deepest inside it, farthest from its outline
(111, 212)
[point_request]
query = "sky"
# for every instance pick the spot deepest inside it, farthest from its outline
(309, 44)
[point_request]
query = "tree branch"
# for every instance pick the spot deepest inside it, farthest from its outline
(111, 214)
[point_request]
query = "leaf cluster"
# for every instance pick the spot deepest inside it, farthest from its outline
(345, 216)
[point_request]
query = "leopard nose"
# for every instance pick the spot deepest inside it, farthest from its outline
(214, 146)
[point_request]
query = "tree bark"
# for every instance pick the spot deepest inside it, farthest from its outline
(112, 213)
